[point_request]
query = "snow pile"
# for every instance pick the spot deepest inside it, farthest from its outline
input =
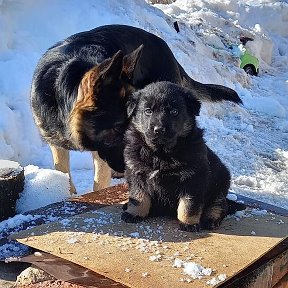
(195, 271)
(192, 269)
(42, 187)
(221, 23)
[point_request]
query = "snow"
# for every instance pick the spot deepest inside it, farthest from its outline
(232, 197)
(9, 169)
(195, 270)
(192, 269)
(44, 186)
(216, 280)
(251, 140)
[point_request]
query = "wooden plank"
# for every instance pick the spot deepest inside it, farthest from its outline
(232, 245)
(101, 242)
(283, 283)
(264, 272)
(68, 271)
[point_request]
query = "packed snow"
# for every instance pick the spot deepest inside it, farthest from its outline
(251, 139)
(42, 181)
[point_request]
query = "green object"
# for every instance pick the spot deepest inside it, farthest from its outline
(248, 60)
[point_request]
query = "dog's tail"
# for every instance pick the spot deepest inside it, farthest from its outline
(209, 92)
(234, 206)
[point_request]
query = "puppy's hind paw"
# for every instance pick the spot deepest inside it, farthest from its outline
(129, 218)
(189, 227)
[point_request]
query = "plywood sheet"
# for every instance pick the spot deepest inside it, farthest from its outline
(127, 253)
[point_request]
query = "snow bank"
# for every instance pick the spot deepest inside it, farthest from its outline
(42, 187)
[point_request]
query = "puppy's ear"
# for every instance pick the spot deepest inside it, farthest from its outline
(130, 61)
(193, 104)
(132, 103)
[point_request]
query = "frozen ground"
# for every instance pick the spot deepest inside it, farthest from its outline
(252, 139)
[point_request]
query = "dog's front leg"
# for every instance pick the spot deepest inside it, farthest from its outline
(139, 203)
(189, 212)
(61, 161)
(102, 173)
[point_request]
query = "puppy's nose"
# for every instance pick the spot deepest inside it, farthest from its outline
(159, 130)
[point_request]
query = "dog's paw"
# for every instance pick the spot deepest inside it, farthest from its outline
(125, 206)
(129, 218)
(210, 224)
(189, 228)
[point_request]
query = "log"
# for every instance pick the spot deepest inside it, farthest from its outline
(11, 185)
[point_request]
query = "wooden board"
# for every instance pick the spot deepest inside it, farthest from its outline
(124, 252)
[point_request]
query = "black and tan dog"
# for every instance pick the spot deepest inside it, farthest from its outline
(169, 168)
(80, 87)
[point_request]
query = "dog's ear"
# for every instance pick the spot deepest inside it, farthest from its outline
(193, 104)
(131, 104)
(130, 61)
(100, 75)
(110, 69)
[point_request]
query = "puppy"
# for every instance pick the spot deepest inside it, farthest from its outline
(81, 84)
(169, 168)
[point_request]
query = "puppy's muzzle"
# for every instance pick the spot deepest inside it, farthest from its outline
(158, 130)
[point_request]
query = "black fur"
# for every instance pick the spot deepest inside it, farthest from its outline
(59, 73)
(168, 162)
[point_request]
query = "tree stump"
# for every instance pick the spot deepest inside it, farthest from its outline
(11, 185)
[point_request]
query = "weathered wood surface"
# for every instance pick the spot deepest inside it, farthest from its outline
(102, 243)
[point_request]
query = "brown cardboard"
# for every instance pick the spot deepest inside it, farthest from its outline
(121, 251)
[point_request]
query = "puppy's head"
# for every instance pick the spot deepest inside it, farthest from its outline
(98, 118)
(162, 112)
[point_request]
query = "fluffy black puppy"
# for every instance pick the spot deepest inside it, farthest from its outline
(169, 168)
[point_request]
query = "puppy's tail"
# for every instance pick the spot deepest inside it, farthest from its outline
(209, 92)
(234, 206)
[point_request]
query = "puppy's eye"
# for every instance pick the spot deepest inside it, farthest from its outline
(174, 112)
(148, 111)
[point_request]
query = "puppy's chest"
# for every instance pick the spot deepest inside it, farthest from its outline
(165, 169)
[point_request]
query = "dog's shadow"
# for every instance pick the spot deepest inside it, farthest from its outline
(107, 221)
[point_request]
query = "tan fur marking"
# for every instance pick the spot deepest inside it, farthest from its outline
(86, 102)
(141, 210)
(102, 173)
(183, 213)
(61, 163)
(86, 92)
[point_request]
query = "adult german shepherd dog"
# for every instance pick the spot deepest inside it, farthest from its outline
(81, 85)
(169, 168)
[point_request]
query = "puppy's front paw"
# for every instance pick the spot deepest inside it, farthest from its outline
(189, 227)
(125, 206)
(129, 218)
(210, 224)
